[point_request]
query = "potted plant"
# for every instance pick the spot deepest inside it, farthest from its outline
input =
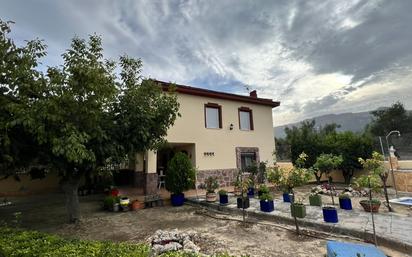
(111, 203)
(263, 189)
(124, 202)
(136, 205)
(371, 205)
(345, 202)
(373, 182)
(276, 176)
(266, 202)
(243, 200)
(238, 184)
(252, 170)
(180, 177)
(315, 199)
(298, 209)
(223, 197)
(211, 185)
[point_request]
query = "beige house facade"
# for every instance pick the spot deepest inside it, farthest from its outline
(220, 132)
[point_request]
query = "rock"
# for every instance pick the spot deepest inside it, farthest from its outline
(174, 240)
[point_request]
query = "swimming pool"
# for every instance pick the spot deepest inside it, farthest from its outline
(407, 201)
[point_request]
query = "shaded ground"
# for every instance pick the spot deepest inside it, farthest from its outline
(47, 213)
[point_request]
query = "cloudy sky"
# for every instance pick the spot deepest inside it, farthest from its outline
(315, 57)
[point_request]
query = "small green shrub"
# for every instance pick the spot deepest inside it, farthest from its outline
(180, 174)
(110, 200)
(211, 184)
(266, 197)
(222, 192)
(263, 189)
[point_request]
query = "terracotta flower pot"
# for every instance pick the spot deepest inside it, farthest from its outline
(374, 207)
(136, 205)
(211, 197)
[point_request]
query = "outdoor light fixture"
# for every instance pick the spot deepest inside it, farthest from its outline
(231, 126)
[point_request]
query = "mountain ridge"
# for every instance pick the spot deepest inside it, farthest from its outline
(348, 121)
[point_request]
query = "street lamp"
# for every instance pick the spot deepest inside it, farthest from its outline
(390, 160)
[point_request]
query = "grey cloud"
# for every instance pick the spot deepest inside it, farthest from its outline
(382, 39)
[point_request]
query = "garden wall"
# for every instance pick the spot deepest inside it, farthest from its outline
(12, 187)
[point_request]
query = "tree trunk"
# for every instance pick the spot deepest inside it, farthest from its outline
(385, 190)
(70, 188)
(347, 175)
(294, 216)
(318, 179)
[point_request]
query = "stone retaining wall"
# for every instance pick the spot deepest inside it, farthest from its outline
(403, 180)
(226, 177)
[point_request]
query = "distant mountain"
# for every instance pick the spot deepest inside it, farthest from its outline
(355, 122)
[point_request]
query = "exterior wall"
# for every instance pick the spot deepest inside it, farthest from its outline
(403, 180)
(225, 177)
(190, 128)
(11, 187)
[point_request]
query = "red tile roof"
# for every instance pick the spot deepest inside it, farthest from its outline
(216, 94)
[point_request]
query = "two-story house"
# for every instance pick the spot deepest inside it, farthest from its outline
(220, 132)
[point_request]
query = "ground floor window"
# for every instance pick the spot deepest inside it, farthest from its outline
(247, 160)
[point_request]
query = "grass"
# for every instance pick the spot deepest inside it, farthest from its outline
(22, 243)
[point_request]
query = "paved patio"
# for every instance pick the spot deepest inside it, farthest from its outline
(392, 229)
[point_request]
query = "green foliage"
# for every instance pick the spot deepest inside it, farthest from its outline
(327, 162)
(109, 201)
(82, 114)
(30, 243)
(19, 243)
(274, 174)
(375, 168)
(211, 184)
(393, 118)
(261, 172)
(180, 174)
(222, 192)
(315, 141)
(297, 176)
(266, 197)
(350, 146)
(309, 139)
(263, 189)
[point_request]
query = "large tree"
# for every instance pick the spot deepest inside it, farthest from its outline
(79, 116)
(392, 118)
(350, 146)
(309, 139)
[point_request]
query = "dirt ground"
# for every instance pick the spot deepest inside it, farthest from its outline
(218, 234)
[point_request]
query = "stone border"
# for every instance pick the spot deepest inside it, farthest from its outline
(225, 177)
(325, 227)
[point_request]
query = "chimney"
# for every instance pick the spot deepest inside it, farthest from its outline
(253, 94)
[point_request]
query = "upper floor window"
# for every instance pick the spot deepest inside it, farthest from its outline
(213, 115)
(245, 118)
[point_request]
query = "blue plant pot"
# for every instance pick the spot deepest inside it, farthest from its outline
(267, 206)
(345, 203)
(330, 214)
(250, 192)
(223, 199)
(177, 199)
(286, 197)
